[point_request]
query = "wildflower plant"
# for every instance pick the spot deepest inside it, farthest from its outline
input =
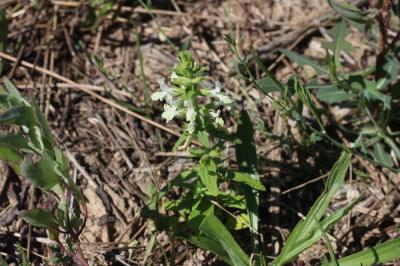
(32, 153)
(206, 215)
(204, 212)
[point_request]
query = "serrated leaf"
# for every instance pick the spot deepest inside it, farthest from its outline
(39, 218)
(371, 92)
(338, 33)
(42, 173)
(19, 115)
(348, 11)
(333, 95)
(381, 155)
(304, 60)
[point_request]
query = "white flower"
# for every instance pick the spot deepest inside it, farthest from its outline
(165, 92)
(218, 121)
(173, 75)
(170, 111)
(190, 116)
(222, 98)
(191, 127)
(190, 111)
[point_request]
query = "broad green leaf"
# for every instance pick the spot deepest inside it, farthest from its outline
(339, 33)
(333, 95)
(14, 141)
(203, 138)
(39, 218)
(20, 115)
(12, 157)
(246, 156)
(381, 155)
(42, 174)
(307, 227)
(304, 60)
(247, 179)
(215, 230)
(208, 177)
(381, 253)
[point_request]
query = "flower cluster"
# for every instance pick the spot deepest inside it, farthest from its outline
(182, 97)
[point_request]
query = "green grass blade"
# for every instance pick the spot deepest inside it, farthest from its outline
(246, 155)
(305, 228)
(215, 230)
(381, 253)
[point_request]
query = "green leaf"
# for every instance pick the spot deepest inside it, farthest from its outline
(306, 228)
(42, 174)
(12, 157)
(371, 92)
(350, 12)
(303, 60)
(305, 96)
(215, 230)
(381, 155)
(387, 71)
(339, 33)
(12, 90)
(20, 115)
(39, 218)
(267, 85)
(333, 95)
(208, 176)
(246, 156)
(47, 134)
(14, 141)
(249, 180)
(381, 253)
